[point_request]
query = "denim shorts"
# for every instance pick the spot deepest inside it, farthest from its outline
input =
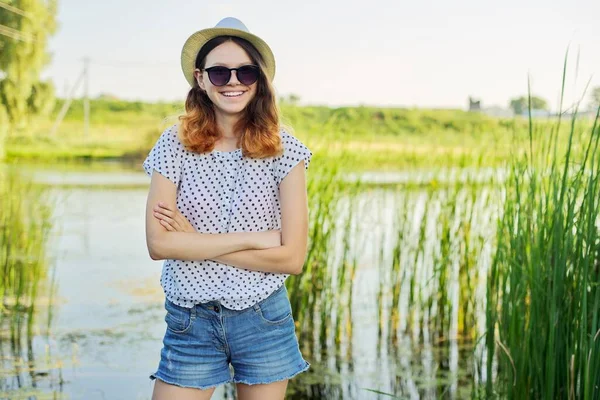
(209, 345)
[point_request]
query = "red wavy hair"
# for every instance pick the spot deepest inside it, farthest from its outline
(259, 123)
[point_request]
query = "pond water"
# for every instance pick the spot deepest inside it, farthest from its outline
(108, 321)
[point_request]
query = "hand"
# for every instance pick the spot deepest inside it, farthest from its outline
(171, 219)
(268, 239)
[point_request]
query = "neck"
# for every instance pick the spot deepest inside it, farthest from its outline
(226, 124)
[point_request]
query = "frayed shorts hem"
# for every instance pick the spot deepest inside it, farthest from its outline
(265, 382)
(201, 387)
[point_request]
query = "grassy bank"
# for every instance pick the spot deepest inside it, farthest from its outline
(372, 138)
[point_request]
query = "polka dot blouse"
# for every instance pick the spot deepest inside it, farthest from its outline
(221, 192)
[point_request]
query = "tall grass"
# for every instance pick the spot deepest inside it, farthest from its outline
(25, 223)
(534, 235)
(424, 245)
(543, 295)
(324, 287)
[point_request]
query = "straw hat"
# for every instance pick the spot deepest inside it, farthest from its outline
(227, 26)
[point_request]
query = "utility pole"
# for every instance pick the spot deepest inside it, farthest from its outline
(86, 99)
(66, 105)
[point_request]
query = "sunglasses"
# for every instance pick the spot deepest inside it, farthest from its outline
(220, 76)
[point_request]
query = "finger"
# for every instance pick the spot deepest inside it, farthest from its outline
(162, 207)
(182, 221)
(185, 225)
(176, 224)
(166, 225)
(160, 216)
(163, 217)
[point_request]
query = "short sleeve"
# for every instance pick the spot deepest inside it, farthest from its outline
(166, 156)
(294, 151)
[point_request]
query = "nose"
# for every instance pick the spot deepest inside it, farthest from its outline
(233, 80)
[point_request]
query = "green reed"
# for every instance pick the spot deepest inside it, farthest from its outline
(426, 243)
(433, 259)
(543, 294)
(468, 273)
(397, 275)
(428, 258)
(305, 290)
(321, 296)
(25, 224)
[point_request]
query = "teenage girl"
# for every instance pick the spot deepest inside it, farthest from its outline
(227, 210)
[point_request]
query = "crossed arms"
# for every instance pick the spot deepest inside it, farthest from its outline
(272, 251)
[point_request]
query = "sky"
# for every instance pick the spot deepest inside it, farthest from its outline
(430, 54)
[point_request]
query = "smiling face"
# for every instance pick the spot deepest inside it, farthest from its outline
(232, 98)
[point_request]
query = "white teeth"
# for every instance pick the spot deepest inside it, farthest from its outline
(232, 94)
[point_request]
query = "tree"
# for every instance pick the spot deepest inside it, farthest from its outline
(3, 129)
(27, 25)
(292, 99)
(520, 105)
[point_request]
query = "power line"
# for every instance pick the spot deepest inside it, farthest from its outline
(13, 9)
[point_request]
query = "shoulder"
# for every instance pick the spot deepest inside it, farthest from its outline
(170, 137)
(291, 142)
(286, 135)
(294, 151)
(171, 133)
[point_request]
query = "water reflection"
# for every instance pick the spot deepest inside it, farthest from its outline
(403, 321)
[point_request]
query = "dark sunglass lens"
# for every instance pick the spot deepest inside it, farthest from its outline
(219, 76)
(247, 74)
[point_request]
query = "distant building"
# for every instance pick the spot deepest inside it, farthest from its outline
(474, 105)
(493, 111)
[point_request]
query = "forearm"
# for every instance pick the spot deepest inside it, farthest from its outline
(279, 259)
(193, 246)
